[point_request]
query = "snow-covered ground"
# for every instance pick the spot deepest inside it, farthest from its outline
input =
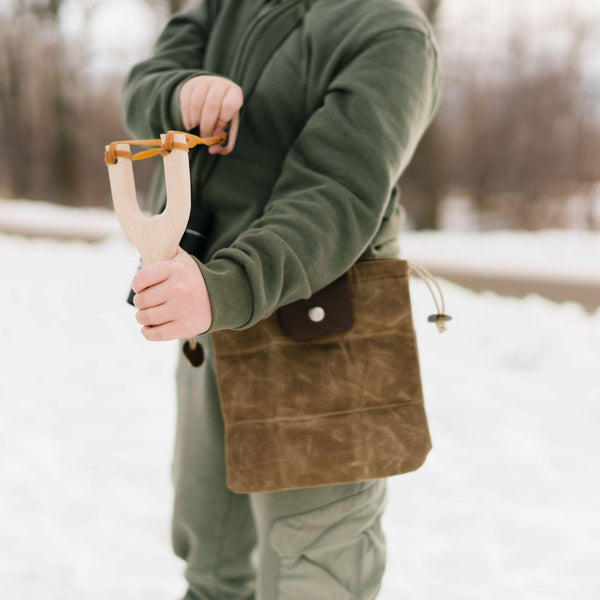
(553, 254)
(506, 506)
(44, 219)
(562, 255)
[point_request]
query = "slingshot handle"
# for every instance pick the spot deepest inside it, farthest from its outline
(156, 237)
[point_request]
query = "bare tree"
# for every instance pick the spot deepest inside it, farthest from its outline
(525, 139)
(33, 106)
(517, 139)
(423, 182)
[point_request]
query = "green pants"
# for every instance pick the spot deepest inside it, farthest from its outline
(322, 543)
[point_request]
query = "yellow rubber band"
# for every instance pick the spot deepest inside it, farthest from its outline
(112, 154)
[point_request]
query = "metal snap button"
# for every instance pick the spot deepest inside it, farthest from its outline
(316, 314)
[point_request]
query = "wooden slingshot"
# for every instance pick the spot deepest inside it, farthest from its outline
(157, 237)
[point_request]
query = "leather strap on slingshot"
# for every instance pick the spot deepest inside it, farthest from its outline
(163, 148)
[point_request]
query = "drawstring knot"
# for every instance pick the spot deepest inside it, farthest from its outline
(440, 318)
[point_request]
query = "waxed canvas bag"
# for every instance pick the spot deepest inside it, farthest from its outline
(326, 390)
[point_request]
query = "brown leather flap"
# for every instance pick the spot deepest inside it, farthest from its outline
(326, 312)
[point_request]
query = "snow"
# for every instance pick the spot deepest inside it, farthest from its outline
(506, 505)
(43, 219)
(558, 254)
(553, 254)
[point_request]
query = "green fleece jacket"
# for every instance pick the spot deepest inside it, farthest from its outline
(337, 94)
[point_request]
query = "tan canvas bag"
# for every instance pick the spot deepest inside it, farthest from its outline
(326, 390)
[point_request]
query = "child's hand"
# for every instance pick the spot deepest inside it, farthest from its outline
(212, 103)
(172, 299)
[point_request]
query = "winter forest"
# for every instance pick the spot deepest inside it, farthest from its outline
(517, 135)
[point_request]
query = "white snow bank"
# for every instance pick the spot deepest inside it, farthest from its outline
(43, 219)
(506, 505)
(564, 255)
(555, 254)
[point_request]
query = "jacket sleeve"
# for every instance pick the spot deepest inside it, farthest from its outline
(152, 88)
(335, 182)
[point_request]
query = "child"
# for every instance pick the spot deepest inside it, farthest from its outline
(325, 101)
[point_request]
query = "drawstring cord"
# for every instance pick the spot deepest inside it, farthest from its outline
(440, 318)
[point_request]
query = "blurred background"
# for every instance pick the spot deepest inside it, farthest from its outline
(503, 204)
(515, 143)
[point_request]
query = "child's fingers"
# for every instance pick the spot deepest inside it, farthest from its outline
(212, 109)
(152, 296)
(196, 102)
(231, 105)
(151, 275)
(152, 317)
(161, 333)
(233, 131)
(231, 137)
(184, 104)
(212, 103)
(230, 111)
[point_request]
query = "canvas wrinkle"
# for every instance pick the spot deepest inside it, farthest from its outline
(321, 415)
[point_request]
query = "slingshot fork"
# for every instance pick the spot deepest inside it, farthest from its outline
(156, 237)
